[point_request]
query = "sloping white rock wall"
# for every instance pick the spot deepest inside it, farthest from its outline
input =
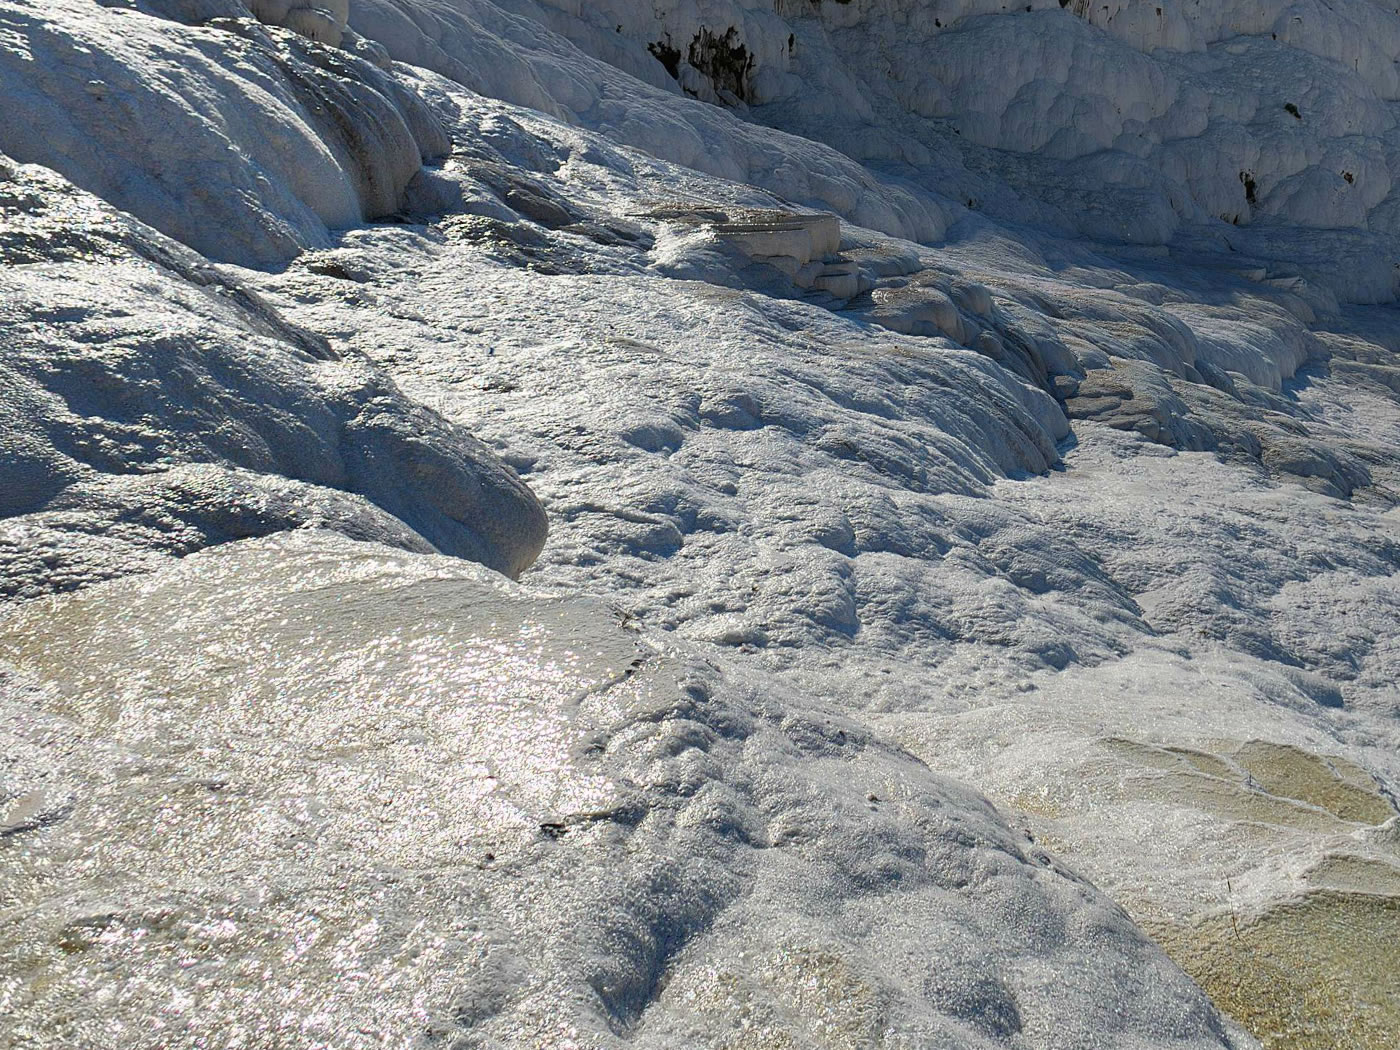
(1231, 128)
(1122, 122)
(244, 143)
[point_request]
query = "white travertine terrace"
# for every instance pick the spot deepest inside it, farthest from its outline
(860, 395)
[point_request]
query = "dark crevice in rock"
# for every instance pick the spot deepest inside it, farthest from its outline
(725, 60)
(668, 55)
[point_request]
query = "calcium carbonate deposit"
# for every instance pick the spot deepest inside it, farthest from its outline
(701, 523)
